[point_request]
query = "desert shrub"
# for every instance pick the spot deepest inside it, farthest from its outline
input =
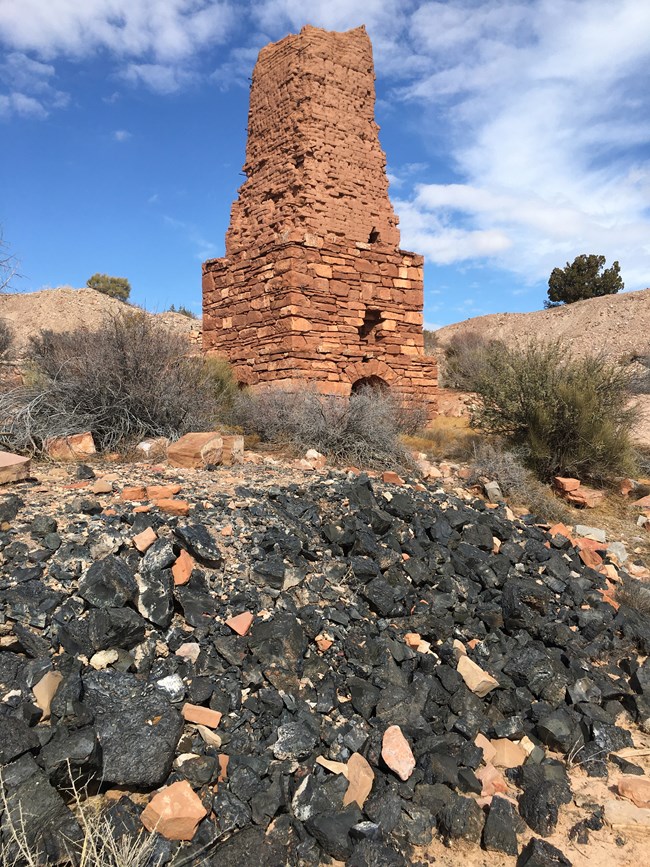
(6, 338)
(8, 266)
(129, 379)
(100, 841)
(545, 505)
(517, 482)
(465, 357)
(634, 594)
(501, 465)
(640, 374)
(571, 416)
(115, 287)
(362, 430)
(431, 346)
(220, 380)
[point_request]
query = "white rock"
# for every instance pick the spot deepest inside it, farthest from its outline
(173, 686)
(593, 533)
(103, 658)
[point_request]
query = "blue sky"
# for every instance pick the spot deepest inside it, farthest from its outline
(517, 136)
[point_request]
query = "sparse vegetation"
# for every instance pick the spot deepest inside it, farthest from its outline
(494, 462)
(568, 416)
(8, 266)
(430, 342)
(184, 311)
(585, 277)
(98, 844)
(445, 438)
(363, 430)
(6, 339)
(115, 287)
(129, 379)
(634, 594)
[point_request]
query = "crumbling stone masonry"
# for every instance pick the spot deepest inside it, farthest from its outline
(314, 285)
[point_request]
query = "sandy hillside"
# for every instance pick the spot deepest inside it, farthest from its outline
(618, 325)
(65, 309)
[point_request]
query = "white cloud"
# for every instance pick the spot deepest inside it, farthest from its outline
(29, 91)
(273, 15)
(545, 107)
(158, 77)
(158, 41)
(133, 28)
(121, 135)
(22, 105)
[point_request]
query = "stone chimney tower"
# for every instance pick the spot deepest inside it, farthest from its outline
(313, 285)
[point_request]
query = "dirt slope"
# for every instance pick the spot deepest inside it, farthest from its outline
(618, 325)
(65, 309)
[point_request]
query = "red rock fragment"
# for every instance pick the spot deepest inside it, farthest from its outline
(174, 812)
(396, 752)
(162, 492)
(240, 623)
(182, 568)
(13, 468)
(635, 789)
(173, 507)
(144, 540)
(136, 492)
(566, 485)
(360, 778)
(71, 448)
(203, 716)
(195, 450)
(591, 558)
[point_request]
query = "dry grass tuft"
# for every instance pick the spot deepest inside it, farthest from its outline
(445, 438)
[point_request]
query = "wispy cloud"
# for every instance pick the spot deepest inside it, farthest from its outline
(28, 87)
(546, 108)
(539, 110)
(204, 249)
(158, 77)
(152, 43)
(131, 28)
(122, 135)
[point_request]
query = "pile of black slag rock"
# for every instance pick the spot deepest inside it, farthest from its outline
(341, 559)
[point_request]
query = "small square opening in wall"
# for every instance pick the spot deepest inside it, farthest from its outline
(371, 320)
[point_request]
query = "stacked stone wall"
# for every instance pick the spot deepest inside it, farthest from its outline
(314, 285)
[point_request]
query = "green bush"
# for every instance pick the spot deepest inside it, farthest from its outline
(115, 287)
(570, 416)
(363, 429)
(585, 277)
(129, 379)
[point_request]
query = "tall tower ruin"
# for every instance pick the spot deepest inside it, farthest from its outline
(313, 285)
